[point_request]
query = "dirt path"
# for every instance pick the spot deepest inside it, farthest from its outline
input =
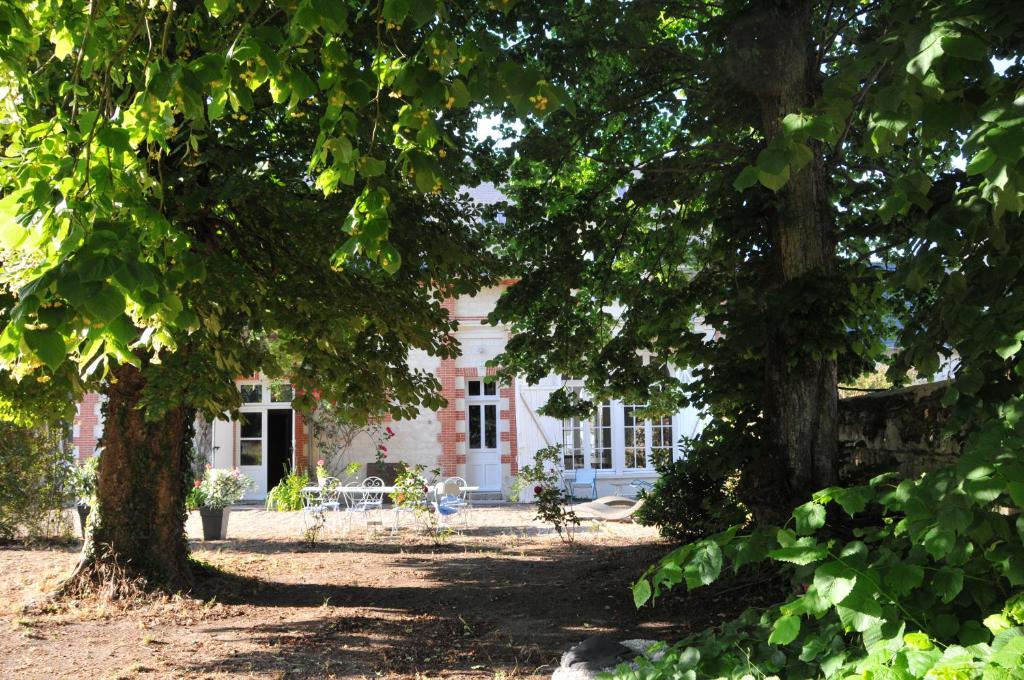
(504, 598)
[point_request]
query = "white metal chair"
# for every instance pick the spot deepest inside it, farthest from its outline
(586, 478)
(452, 494)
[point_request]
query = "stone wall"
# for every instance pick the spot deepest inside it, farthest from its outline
(898, 430)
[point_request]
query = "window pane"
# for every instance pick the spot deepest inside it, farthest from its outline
(490, 389)
(601, 440)
(491, 426)
(251, 425)
(281, 392)
(474, 426)
(572, 444)
(634, 431)
(251, 394)
(250, 452)
(474, 388)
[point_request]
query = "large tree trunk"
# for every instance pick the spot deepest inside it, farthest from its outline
(136, 538)
(801, 397)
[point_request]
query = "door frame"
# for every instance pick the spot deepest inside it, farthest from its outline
(484, 455)
(259, 473)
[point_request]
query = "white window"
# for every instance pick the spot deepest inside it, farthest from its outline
(482, 415)
(616, 439)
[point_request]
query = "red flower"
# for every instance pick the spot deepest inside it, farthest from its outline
(382, 447)
(425, 489)
(198, 483)
(537, 490)
(391, 433)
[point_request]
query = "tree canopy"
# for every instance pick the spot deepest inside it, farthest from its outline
(815, 182)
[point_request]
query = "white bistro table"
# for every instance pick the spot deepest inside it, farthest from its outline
(438, 490)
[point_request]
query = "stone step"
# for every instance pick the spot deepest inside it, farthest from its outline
(483, 497)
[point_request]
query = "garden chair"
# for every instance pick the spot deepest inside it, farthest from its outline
(452, 494)
(586, 478)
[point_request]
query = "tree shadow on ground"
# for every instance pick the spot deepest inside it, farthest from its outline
(467, 613)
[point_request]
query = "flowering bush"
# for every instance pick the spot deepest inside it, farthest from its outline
(321, 469)
(380, 436)
(194, 499)
(546, 474)
(221, 488)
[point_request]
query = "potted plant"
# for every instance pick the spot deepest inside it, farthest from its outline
(213, 494)
(83, 486)
(321, 472)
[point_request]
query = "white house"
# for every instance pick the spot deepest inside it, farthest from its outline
(485, 434)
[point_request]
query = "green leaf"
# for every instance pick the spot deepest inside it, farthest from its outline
(799, 554)
(784, 630)
(116, 138)
(834, 581)
(901, 577)
(389, 258)
(707, 559)
(371, 167)
(63, 43)
(918, 640)
(48, 345)
(965, 46)
(641, 592)
(217, 7)
(773, 182)
(809, 517)
(948, 582)
(981, 161)
(746, 179)
(928, 50)
(106, 305)
(859, 610)
(853, 499)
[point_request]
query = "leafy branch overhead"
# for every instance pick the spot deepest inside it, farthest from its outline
(109, 104)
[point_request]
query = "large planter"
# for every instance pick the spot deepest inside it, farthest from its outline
(215, 523)
(83, 515)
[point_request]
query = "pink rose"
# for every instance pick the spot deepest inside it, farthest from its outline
(198, 483)
(320, 463)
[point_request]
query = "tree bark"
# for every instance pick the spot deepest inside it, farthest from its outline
(136, 535)
(800, 394)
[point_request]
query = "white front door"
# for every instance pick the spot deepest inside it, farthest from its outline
(483, 443)
(252, 451)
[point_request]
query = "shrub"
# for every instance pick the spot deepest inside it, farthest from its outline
(35, 471)
(688, 503)
(551, 499)
(287, 495)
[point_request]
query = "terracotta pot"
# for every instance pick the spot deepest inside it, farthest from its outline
(215, 523)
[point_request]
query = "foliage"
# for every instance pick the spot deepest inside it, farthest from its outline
(688, 502)
(667, 198)
(221, 488)
(549, 493)
(35, 468)
(336, 435)
(927, 584)
(82, 479)
(287, 495)
(194, 499)
(413, 492)
(154, 152)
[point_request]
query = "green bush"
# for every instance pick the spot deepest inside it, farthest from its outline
(926, 584)
(35, 482)
(287, 495)
(687, 503)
